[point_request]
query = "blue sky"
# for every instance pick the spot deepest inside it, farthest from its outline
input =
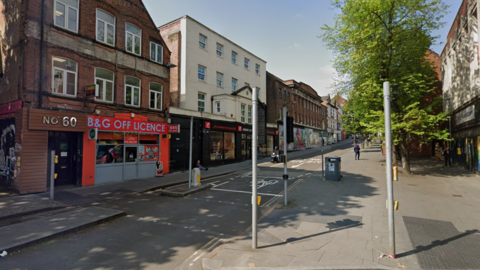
(282, 32)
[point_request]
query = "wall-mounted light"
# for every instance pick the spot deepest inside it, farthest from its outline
(170, 65)
(165, 112)
(97, 112)
(132, 115)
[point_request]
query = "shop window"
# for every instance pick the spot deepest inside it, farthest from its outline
(222, 145)
(109, 147)
(148, 150)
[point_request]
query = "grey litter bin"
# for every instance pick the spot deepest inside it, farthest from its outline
(333, 168)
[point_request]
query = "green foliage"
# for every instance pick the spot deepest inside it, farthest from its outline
(387, 40)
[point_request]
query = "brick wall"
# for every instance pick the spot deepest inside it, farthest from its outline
(88, 53)
(173, 38)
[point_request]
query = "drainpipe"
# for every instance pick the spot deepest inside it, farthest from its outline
(42, 41)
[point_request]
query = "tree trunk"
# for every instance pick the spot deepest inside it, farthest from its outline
(394, 155)
(405, 157)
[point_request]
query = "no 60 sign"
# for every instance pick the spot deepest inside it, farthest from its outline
(64, 121)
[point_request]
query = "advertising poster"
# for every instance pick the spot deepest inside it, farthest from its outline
(148, 153)
(478, 153)
(159, 169)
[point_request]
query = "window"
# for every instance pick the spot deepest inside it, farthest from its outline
(219, 50)
(64, 77)
(222, 145)
(234, 84)
(242, 113)
(133, 39)
(201, 72)
(66, 14)
(257, 69)
(246, 62)
(249, 114)
(258, 92)
(202, 41)
(105, 27)
(156, 96)
(104, 80)
(217, 106)
(219, 79)
(156, 53)
(234, 57)
(132, 91)
(201, 102)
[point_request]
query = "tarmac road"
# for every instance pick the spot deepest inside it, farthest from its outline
(161, 232)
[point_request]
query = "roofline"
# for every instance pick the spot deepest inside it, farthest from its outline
(186, 16)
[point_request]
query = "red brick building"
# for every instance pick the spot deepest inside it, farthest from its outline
(76, 68)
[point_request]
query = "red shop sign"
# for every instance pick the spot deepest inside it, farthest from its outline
(174, 128)
(115, 124)
(207, 124)
(131, 139)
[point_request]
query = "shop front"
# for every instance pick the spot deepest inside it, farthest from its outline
(222, 139)
(123, 148)
(272, 140)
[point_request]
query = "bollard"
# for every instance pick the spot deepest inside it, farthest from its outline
(395, 173)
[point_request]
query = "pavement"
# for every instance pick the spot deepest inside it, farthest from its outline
(326, 224)
(344, 224)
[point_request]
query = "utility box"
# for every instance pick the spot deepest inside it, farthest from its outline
(196, 177)
(333, 168)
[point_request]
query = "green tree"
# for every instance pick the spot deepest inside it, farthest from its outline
(387, 40)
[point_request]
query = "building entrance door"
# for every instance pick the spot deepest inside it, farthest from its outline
(67, 146)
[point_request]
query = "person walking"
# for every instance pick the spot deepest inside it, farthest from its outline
(356, 149)
(447, 156)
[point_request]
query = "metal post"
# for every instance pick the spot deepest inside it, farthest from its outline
(285, 175)
(52, 173)
(388, 138)
(190, 162)
(254, 167)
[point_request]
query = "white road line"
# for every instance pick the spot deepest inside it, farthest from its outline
(246, 192)
(295, 166)
(221, 184)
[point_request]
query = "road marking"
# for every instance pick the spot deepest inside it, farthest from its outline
(221, 184)
(295, 166)
(245, 192)
(207, 247)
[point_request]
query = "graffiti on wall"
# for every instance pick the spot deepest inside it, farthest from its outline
(304, 138)
(7, 151)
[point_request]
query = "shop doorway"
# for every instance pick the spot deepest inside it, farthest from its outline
(246, 146)
(68, 152)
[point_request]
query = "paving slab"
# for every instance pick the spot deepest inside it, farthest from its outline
(20, 235)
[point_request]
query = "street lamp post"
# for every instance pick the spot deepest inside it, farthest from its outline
(285, 175)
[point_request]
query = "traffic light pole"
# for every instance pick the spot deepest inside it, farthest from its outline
(254, 167)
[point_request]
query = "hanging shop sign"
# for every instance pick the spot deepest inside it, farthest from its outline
(56, 121)
(207, 125)
(115, 124)
(7, 110)
(91, 90)
(174, 128)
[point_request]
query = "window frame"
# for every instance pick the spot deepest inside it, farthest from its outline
(156, 92)
(105, 28)
(217, 107)
(219, 50)
(204, 73)
(242, 112)
(234, 59)
(234, 85)
(65, 72)
(133, 39)
(219, 82)
(257, 69)
(199, 100)
(246, 63)
(133, 88)
(65, 21)
(104, 81)
(249, 114)
(200, 42)
(156, 52)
